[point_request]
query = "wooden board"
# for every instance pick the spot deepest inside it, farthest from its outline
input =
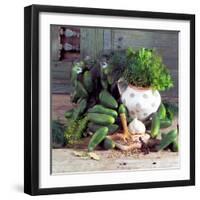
(91, 42)
(60, 77)
(64, 161)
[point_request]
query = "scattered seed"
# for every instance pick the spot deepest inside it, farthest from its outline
(93, 156)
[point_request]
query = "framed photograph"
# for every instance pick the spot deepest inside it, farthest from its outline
(109, 99)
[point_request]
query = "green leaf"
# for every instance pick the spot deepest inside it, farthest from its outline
(145, 68)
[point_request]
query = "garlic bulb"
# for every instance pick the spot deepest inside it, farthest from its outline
(136, 126)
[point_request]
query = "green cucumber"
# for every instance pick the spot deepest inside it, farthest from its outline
(170, 114)
(97, 138)
(87, 81)
(163, 135)
(81, 92)
(110, 79)
(104, 84)
(94, 127)
(101, 119)
(101, 109)
(77, 112)
(175, 145)
(165, 123)
(155, 125)
(107, 99)
(162, 111)
(69, 113)
(168, 139)
(171, 110)
(74, 97)
(108, 143)
(111, 128)
(122, 109)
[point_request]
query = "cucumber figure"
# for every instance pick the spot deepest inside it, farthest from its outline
(122, 111)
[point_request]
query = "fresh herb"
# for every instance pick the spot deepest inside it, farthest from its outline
(75, 129)
(145, 68)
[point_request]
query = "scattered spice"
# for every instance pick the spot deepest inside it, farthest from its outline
(93, 156)
(81, 154)
(144, 147)
(86, 155)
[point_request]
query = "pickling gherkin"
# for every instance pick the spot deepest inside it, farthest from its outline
(87, 81)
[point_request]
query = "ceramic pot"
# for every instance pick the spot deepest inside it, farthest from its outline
(140, 102)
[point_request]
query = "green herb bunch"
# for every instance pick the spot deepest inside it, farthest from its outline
(145, 68)
(75, 129)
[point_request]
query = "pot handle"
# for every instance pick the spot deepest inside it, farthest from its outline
(122, 85)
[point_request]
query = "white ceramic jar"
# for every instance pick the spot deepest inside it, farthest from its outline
(140, 102)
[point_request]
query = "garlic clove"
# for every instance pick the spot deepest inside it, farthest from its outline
(136, 126)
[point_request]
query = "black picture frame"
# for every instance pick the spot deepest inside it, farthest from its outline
(31, 98)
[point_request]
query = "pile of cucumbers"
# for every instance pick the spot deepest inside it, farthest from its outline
(96, 112)
(102, 119)
(163, 119)
(95, 106)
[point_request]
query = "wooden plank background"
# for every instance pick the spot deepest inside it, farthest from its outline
(94, 41)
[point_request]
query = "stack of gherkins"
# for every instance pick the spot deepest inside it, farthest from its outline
(95, 106)
(96, 100)
(163, 119)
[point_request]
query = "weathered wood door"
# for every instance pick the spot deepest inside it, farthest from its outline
(165, 43)
(89, 44)
(94, 41)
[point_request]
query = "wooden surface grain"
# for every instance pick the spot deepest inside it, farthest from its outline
(65, 161)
